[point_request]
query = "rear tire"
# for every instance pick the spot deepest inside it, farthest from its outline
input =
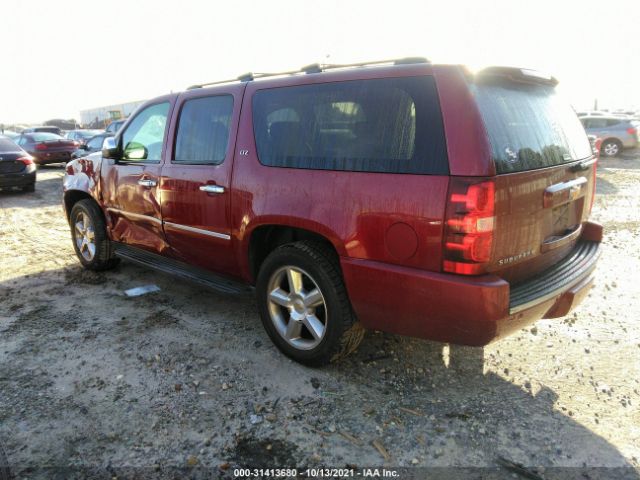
(304, 306)
(611, 148)
(89, 234)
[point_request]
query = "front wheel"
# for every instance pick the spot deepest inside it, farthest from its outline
(88, 231)
(304, 305)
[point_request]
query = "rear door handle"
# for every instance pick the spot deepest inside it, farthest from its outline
(145, 182)
(212, 189)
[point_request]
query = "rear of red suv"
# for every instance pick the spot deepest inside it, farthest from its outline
(516, 244)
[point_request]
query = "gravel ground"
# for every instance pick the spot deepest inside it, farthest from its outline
(187, 378)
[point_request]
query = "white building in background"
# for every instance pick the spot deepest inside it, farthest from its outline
(100, 117)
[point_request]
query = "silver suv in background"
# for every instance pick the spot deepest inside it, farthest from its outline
(616, 133)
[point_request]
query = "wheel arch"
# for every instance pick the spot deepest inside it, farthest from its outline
(613, 140)
(263, 239)
(71, 197)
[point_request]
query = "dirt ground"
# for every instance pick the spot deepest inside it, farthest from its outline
(187, 378)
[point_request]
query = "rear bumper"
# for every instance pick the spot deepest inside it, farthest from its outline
(51, 157)
(467, 310)
(21, 179)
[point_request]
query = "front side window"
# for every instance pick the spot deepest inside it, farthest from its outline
(203, 130)
(389, 125)
(142, 140)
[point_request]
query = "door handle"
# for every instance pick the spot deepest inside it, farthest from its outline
(212, 189)
(145, 182)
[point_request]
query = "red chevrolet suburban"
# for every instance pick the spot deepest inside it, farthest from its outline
(401, 196)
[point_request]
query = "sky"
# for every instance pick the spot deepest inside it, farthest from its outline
(63, 56)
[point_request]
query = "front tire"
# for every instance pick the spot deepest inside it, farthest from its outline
(304, 306)
(89, 234)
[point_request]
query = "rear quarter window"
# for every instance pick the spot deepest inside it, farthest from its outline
(383, 125)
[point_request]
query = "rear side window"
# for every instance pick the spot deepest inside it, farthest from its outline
(529, 125)
(383, 125)
(203, 130)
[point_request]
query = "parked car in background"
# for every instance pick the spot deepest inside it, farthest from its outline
(47, 147)
(82, 136)
(114, 126)
(9, 133)
(17, 168)
(592, 113)
(616, 133)
(94, 144)
(44, 129)
(413, 198)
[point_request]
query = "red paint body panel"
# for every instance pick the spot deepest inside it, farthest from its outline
(467, 142)
(424, 304)
(353, 210)
(183, 203)
(132, 210)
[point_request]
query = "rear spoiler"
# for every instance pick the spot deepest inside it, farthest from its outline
(522, 75)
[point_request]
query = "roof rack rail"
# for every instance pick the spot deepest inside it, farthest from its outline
(314, 68)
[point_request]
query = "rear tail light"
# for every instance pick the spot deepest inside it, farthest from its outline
(632, 130)
(41, 146)
(469, 226)
(26, 160)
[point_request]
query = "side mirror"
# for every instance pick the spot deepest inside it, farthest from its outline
(135, 151)
(110, 149)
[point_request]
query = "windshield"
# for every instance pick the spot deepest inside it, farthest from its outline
(529, 125)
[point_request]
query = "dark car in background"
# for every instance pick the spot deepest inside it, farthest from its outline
(47, 147)
(94, 144)
(44, 129)
(82, 136)
(616, 133)
(16, 167)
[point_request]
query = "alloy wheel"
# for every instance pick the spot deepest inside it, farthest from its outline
(85, 236)
(297, 307)
(611, 149)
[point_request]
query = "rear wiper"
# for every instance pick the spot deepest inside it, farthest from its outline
(583, 165)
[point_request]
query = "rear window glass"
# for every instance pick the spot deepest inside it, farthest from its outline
(529, 125)
(383, 125)
(7, 145)
(44, 136)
